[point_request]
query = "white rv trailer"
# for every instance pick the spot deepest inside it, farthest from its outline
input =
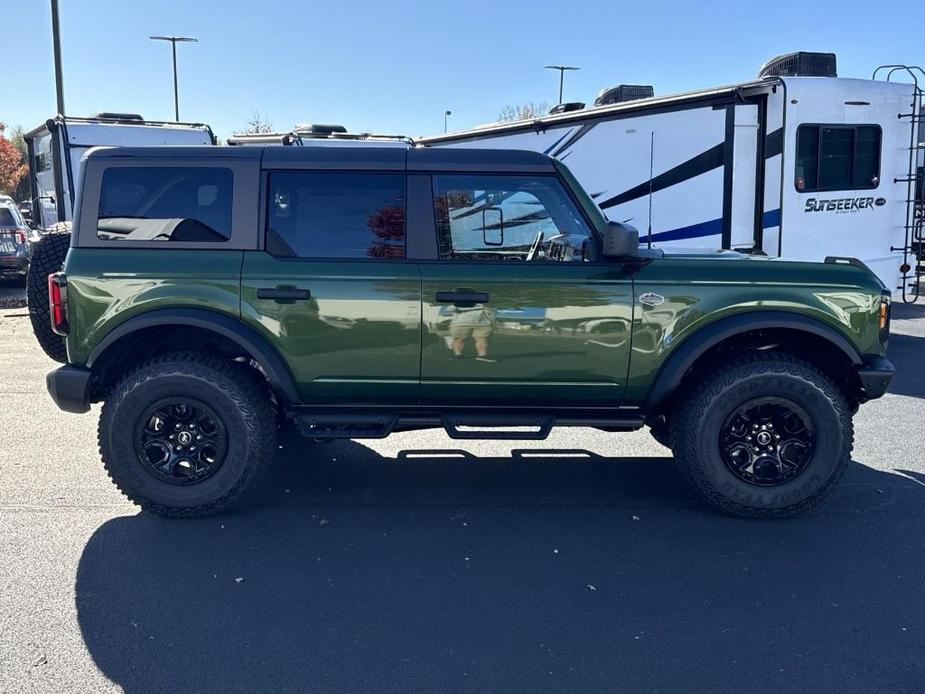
(56, 147)
(798, 164)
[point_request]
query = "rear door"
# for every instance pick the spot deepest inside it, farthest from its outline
(515, 310)
(742, 205)
(332, 288)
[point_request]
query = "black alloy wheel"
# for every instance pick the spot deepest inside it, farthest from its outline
(768, 441)
(180, 440)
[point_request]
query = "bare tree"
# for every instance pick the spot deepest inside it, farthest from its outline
(525, 111)
(257, 124)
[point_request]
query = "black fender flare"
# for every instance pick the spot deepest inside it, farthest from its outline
(696, 345)
(278, 374)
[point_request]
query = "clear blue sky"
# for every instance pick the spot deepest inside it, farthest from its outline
(396, 66)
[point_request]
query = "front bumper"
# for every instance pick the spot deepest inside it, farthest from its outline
(875, 376)
(69, 387)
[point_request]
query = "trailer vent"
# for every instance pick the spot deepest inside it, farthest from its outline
(800, 64)
(624, 92)
(318, 130)
(565, 108)
(120, 117)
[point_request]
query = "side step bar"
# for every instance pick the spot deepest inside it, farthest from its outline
(458, 425)
(345, 426)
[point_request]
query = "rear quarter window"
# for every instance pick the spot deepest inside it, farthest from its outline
(7, 218)
(165, 204)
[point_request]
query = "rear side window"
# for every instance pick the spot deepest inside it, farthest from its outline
(165, 203)
(7, 218)
(336, 215)
(837, 157)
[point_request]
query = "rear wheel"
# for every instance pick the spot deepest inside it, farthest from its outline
(47, 257)
(187, 434)
(765, 436)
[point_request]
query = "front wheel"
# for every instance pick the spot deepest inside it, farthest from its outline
(187, 434)
(765, 436)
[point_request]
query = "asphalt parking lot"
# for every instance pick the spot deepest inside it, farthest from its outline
(577, 564)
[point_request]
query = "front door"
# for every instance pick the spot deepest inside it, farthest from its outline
(333, 291)
(514, 310)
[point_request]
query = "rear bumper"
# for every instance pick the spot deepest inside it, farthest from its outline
(69, 388)
(876, 375)
(14, 265)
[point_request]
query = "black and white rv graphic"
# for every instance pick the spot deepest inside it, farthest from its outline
(798, 164)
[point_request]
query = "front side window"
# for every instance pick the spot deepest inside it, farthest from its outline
(836, 157)
(515, 218)
(336, 215)
(165, 203)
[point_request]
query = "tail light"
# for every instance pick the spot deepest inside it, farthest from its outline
(57, 302)
(20, 237)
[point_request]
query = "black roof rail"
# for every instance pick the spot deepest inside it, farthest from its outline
(845, 260)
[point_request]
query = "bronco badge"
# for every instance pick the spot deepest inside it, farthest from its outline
(651, 299)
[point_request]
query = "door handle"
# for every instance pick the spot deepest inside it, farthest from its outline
(284, 294)
(462, 297)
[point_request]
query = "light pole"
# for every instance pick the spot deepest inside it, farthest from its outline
(173, 44)
(446, 114)
(56, 41)
(561, 69)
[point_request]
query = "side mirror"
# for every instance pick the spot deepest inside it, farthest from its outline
(620, 240)
(497, 237)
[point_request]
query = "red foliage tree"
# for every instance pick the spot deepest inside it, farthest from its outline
(12, 166)
(388, 225)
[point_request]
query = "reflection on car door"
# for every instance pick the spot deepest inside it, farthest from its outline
(513, 310)
(333, 291)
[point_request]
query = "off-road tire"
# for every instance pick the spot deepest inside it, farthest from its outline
(233, 391)
(660, 429)
(47, 257)
(704, 407)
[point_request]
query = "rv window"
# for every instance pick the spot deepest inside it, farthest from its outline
(336, 215)
(165, 203)
(43, 153)
(508, 218)
(837, 157)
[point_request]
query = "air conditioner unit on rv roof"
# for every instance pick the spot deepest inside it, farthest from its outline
(800, 64)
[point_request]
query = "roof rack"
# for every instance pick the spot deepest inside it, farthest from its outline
(298, 136)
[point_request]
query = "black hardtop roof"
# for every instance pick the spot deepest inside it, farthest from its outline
(349, 156)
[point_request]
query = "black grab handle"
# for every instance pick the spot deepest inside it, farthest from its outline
(280, 294)
(462, 298)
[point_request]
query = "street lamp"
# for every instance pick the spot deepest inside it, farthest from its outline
(561, 69)
(446, 114)
(173, 44)
(56, 42)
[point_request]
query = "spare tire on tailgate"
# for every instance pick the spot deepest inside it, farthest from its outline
(47, 257)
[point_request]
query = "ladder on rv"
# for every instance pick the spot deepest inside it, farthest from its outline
(913, 266)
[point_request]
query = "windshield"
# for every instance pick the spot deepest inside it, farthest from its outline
(598, 219)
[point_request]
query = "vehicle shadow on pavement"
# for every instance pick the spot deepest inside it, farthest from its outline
(560, 571)
(907, 352)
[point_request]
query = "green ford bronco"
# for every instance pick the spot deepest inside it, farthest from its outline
(211, 295)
